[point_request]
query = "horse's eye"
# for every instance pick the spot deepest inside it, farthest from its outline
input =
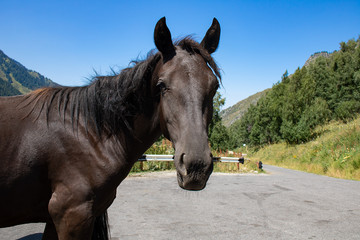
(161, 86)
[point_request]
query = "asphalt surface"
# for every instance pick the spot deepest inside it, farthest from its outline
(283, 204)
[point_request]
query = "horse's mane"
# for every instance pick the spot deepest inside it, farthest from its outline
(109, 103)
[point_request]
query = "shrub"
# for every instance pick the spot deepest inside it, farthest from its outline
(347, 110)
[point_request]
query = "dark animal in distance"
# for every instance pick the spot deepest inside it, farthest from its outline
(65, 150)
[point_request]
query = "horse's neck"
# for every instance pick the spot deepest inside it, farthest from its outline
(145, 127)
(146, 132)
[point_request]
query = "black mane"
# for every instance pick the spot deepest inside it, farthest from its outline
(110, 103)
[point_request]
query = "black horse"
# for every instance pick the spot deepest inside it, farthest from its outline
(65, 150)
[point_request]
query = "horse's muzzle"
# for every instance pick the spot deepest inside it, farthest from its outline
(193, 172)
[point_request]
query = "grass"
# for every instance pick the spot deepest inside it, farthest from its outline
(226, 167)
(335, 152)
(152, 166)
(247, 167)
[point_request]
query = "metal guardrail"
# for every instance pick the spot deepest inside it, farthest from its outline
(154, 157)
(231, 159)
(169, 158)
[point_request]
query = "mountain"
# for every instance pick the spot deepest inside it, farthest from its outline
(16, 79)
(325, 90)
(6, 89)
(235, 112)
(314, 56)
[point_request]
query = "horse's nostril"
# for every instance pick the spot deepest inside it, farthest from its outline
(182, 167)
(193, 171)
(181, 160)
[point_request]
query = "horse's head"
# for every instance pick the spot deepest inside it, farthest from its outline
(186, 82)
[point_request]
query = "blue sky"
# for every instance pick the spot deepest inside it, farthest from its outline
(67, 40)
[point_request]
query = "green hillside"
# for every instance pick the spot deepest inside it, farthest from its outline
(335, 152)
(327, 88)
(6, 89)
(16, 79)
(235, 112)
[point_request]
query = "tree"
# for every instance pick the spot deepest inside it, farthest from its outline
(218, 102)
(218, 135)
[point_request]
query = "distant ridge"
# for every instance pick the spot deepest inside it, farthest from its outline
(16, 79)
(315, 56)
(235, 112)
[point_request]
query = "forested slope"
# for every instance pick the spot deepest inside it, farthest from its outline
(327, 88)
(16, 79)
(235, 112)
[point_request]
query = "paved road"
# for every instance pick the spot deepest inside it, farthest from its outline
(284, 204)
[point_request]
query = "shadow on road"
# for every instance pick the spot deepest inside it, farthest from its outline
(35, 236)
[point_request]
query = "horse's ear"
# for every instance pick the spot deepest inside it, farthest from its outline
(212, 37)
(162, 38)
